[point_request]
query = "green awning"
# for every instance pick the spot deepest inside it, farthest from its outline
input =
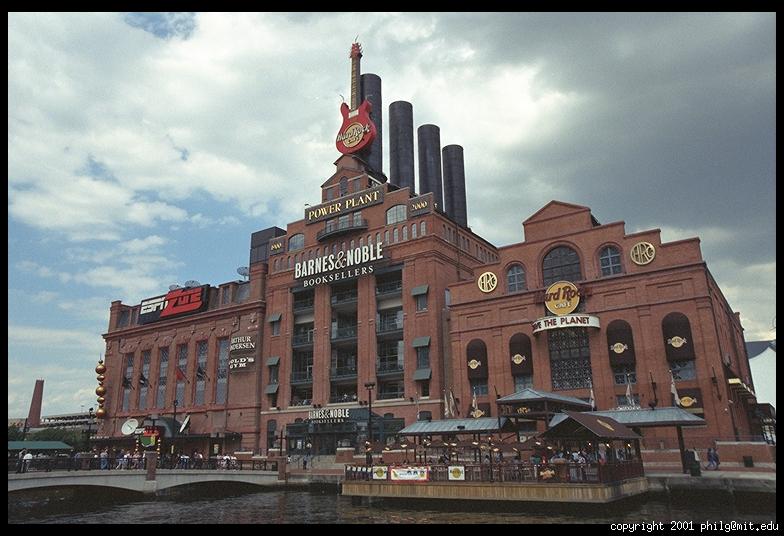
(422, 374)
(421, 289)
(274, 317)
(421, 341)
(272, 361)
(271, 389)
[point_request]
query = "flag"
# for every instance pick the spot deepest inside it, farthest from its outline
(201, 373)
(453, 409)
(592, 401)
(674, 391)
(446, 405)
(126, 383)
(143, 380)
(629, 398)
(180, 374)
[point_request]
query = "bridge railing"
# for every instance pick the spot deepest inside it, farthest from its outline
(119, 463)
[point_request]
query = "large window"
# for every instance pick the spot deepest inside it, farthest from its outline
(144, 382)
(127, 382)
(515, 278)
(396, 214)
(223, 371)
(610, 261)
(182, 368)
(570, 358)
(296, 242)
(163, 369)
(201, 371)
(683, 370)
(561, 264)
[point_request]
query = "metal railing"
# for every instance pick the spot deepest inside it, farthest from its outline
(389, 287)
(301, 376)
(346, 296)
(333, 229)
(389, 325)
(302, 339)
(349, 332)
(89, 462)
(342, 372)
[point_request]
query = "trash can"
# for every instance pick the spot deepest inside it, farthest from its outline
(695, 469)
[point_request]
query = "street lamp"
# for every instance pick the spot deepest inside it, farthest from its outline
(89, 427)
(369, 456)
(174, 434)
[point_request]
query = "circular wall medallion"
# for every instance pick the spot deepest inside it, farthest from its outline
(561, 298)
(676, 342)
(642, 253)
(618, 347)
(487, 282)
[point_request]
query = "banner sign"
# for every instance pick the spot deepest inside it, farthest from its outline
(380, 472)
(456, 472)
(410, 474)
(565, 321)
(179, 302)
(345, 205)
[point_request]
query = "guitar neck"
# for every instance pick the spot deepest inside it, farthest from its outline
(355, 81)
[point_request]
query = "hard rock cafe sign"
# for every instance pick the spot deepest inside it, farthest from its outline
(487, 282)
(358, 130)
(561, 298)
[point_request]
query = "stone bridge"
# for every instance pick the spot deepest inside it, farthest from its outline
(136, 480)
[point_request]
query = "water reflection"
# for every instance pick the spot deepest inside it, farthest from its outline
(241, 504)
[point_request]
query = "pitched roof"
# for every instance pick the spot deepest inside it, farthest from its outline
(450, 426)
(531, 395)
(575, 424)
(554, 209)
(670, 416)
(38, 445)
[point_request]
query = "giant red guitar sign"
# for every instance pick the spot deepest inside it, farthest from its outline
(357, 130)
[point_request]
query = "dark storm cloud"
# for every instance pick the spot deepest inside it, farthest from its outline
(677, 122)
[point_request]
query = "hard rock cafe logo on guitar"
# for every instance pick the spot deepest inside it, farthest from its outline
(357, 130)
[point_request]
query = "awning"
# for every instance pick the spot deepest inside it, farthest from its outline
(584, 425)
(418, 291)
(272, 361)
(420, 342)
(271, 389)
(274, 317)
(422, 374)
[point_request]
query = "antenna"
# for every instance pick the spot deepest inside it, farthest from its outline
(190, 283)
(129, 426)
(175, 286)
(243, 271)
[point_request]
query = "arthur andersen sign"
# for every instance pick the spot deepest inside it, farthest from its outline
(348, 262)
(242, 345)
(565, 321)
(344, 205)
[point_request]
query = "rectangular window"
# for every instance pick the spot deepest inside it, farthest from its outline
(624, 374)
(163, 369)
(425, 388)
(273, 374)
(223, 371)
(182, 369)
(621, 400)
(570, 358)
(421, 302)
(390, 389)
(683, 370)
(423, 357)
(523, 381)
(275, 327)
(127, 382)
(478, 386)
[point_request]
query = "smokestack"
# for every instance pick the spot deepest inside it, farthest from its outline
(401, 144)
(429, 139)
(371, 90)
(34, 416)
(454, 184)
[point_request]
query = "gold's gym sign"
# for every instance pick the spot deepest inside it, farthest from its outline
(561, 298)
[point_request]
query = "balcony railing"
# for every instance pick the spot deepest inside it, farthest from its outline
(302, 339)
(349, 332)
(389, 287)
(302, 305)
(335, 229)
(389, 326)
(344, 397)
(346, 296)
(342, 372)
(301, 376)
(387, 366)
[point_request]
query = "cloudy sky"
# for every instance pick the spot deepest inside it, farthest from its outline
(144, 149)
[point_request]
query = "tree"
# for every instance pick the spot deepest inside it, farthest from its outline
(14, 432)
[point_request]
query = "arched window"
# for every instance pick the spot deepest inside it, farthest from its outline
(515, 278)
(422, 228)
(620, 345)
(522, 361)
(561, 264)
(413, 230)
(296, 242)
(476, 362)
(275, 266)
(610, 261)
(396, 214)
(679, 346)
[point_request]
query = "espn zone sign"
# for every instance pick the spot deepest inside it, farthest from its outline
(182, 301)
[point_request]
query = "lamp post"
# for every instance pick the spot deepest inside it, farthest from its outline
(369, 455)
(174, 434)
(89, 428)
